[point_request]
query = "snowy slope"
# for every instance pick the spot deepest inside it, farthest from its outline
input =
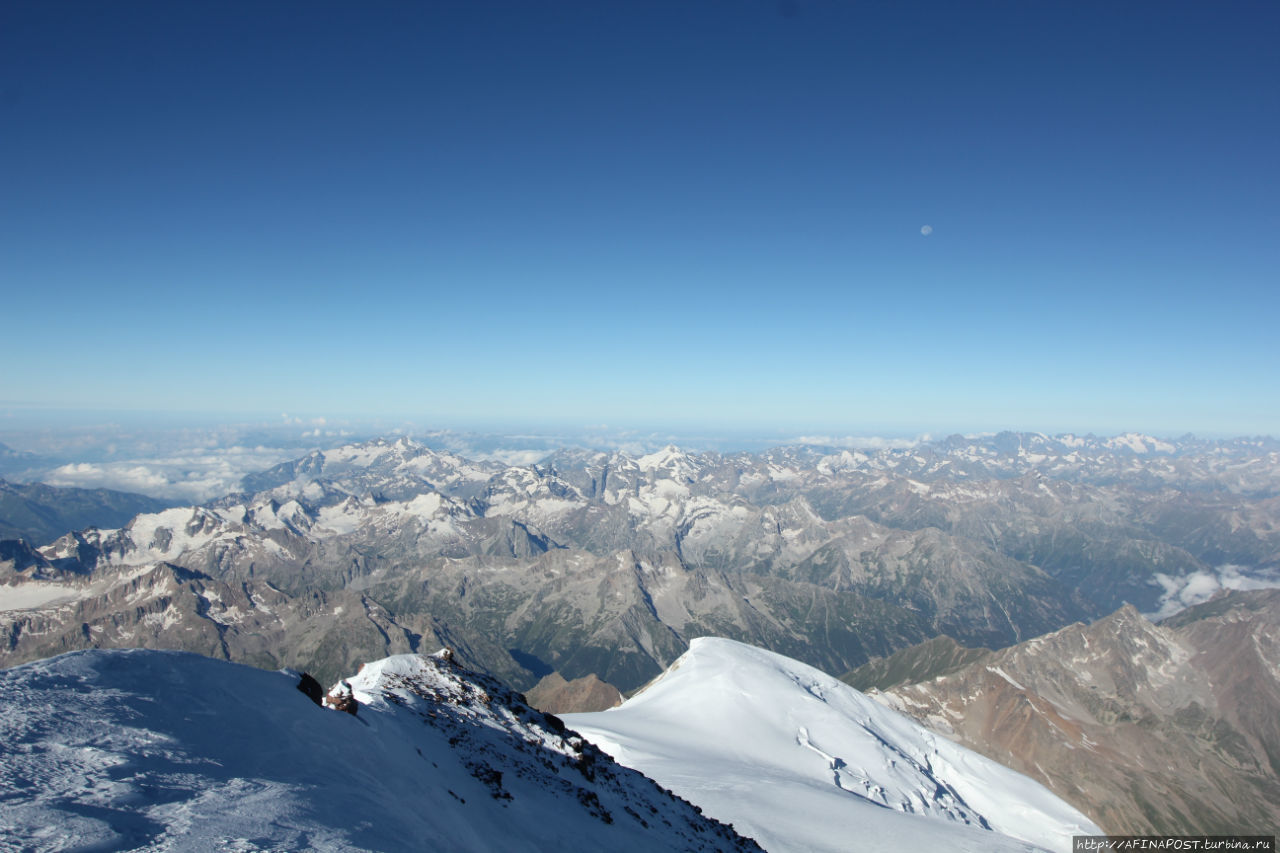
(153, 750)
(802, 762)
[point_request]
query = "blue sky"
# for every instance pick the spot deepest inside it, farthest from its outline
(683, 213)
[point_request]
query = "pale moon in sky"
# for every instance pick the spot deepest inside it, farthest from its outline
(926, 230)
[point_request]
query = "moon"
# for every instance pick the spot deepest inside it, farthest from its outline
(926, 230)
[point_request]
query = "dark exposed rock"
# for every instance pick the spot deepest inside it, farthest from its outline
(311, 689)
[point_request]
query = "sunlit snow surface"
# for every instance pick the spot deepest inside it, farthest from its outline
(802, 762)
(169, 751)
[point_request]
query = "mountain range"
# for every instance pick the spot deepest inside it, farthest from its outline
(589, 573)
(607, 564)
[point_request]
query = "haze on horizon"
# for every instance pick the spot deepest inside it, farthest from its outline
(791, 216)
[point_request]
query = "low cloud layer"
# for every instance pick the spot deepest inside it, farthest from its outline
(855, 442)
(512, 457)
(192, 477)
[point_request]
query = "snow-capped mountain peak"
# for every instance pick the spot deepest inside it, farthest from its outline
(800, 761)
(670, 461)
(1138, 443)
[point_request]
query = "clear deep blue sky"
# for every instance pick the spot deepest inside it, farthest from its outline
(647, 212)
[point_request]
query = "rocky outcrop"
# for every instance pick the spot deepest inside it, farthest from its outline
(311, 688)
(340, 698)
(510, 748)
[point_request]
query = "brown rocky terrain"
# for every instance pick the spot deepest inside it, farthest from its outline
(1170, 728)
(554, 695)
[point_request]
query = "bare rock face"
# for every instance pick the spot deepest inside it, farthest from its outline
(1171, 728)
(554, 695)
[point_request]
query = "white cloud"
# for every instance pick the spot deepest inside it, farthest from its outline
(855, 442)
(126, 477)
(512, 457)
(1183, 591)
(194, 477)
(632, 448)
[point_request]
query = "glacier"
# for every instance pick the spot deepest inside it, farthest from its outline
(800, 761)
